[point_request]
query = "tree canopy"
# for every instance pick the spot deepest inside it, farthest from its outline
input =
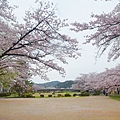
(37, 41)
(37, 45)
(106, 32)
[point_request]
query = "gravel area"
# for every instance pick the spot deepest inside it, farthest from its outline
(83, 108)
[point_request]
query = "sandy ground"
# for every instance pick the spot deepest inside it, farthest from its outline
(85, 108)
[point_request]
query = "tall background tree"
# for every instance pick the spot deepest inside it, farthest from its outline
(108, 79)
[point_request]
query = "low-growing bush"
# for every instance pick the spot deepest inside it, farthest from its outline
(29, 95)
(41, 95)
(26, 95)
(96, 92)
(74, 95)
(59, 95)
(67, 95)
(49, 95)
(22, 95)
(4, 94)
(84, 94)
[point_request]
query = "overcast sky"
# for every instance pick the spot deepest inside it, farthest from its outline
(75, 10)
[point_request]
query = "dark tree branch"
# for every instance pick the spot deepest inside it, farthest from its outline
(34, 58)
(22, 37)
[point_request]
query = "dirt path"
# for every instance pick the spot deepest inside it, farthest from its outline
(86, 108)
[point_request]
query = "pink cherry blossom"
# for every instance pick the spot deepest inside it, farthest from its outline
(37, 41)
(109, 79)
(106, 32)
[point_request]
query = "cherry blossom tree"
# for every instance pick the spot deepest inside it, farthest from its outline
(5, 79)
(85, 82)
(37, 87)
(16, 73)
(108, 80)
(106, 32)
(21, 86)
(37, 41)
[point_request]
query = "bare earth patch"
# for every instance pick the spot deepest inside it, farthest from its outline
(85, 108)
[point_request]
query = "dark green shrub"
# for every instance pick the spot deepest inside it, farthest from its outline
(49, 95)
(74, 95)
(79, 94)
(67, 95)
(4, 94)
(96, 92)
(84, 94)
(8, 94)
(41, 95)
(22, 95)
(29, 95)
(59, 95)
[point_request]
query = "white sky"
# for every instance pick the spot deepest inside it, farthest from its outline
(75, 10)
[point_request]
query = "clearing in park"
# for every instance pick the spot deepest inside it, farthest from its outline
(82, 108)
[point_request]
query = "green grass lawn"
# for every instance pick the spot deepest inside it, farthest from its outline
(37, 95)
(116, 97)
(48, 95)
